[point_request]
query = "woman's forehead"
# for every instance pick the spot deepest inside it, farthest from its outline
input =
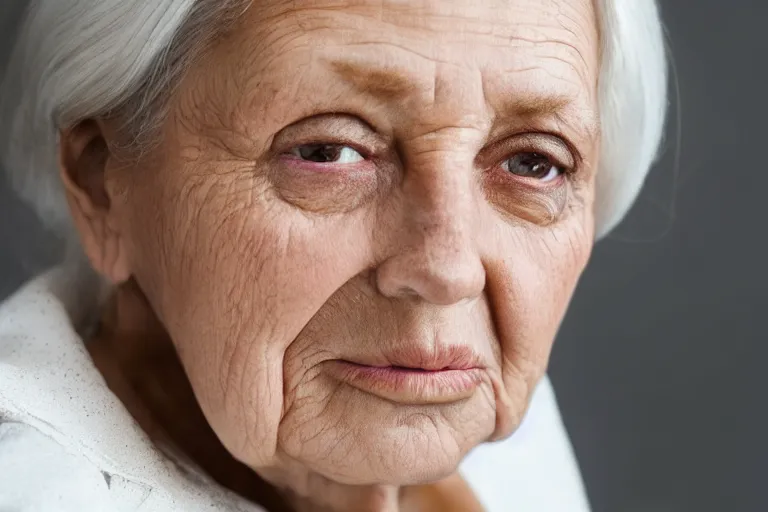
(455, 31)
(439, 14)
(504, 57)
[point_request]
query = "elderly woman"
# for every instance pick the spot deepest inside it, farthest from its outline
(321, 248)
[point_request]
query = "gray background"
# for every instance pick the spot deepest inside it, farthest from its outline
(660, 364)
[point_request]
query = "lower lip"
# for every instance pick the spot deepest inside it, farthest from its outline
(408, 386)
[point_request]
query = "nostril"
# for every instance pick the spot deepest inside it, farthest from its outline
(452, 289)
(392, 286)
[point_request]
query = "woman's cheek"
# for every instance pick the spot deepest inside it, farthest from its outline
(530, 294)
(258, 319)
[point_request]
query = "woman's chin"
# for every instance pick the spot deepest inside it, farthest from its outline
(382, 468)
(381, 442)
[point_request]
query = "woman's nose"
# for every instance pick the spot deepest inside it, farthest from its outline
(436, 256)
(441, 270)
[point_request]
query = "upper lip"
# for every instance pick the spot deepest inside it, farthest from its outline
(447, 357)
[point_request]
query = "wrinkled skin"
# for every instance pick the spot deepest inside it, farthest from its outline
(262, 267)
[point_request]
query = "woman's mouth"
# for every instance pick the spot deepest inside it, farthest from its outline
(408, 386)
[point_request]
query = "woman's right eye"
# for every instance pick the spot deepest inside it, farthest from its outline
(327, 154)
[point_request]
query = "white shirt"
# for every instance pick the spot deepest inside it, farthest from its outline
(67, 444)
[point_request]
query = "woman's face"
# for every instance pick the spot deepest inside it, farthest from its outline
(365, 223)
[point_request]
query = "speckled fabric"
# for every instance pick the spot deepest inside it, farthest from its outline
(67, 444)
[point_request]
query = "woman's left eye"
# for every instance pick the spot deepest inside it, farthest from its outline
(327, 153)
(532, 165)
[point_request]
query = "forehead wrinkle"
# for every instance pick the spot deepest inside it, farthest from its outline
(546, 43)
(559, 24)
(430, 21)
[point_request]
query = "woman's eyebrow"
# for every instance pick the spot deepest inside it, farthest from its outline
(380, 82)
(573, 111)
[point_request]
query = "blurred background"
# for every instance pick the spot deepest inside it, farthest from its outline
(660, 365)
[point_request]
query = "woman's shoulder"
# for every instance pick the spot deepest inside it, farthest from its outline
(66, 442)
(535, 468)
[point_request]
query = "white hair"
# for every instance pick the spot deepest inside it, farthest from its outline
(80, 59)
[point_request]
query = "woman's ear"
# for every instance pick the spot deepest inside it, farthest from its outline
(83, 158)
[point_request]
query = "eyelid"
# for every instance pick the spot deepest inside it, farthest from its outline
(363, 152)
(341, 129)
(555, 148)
